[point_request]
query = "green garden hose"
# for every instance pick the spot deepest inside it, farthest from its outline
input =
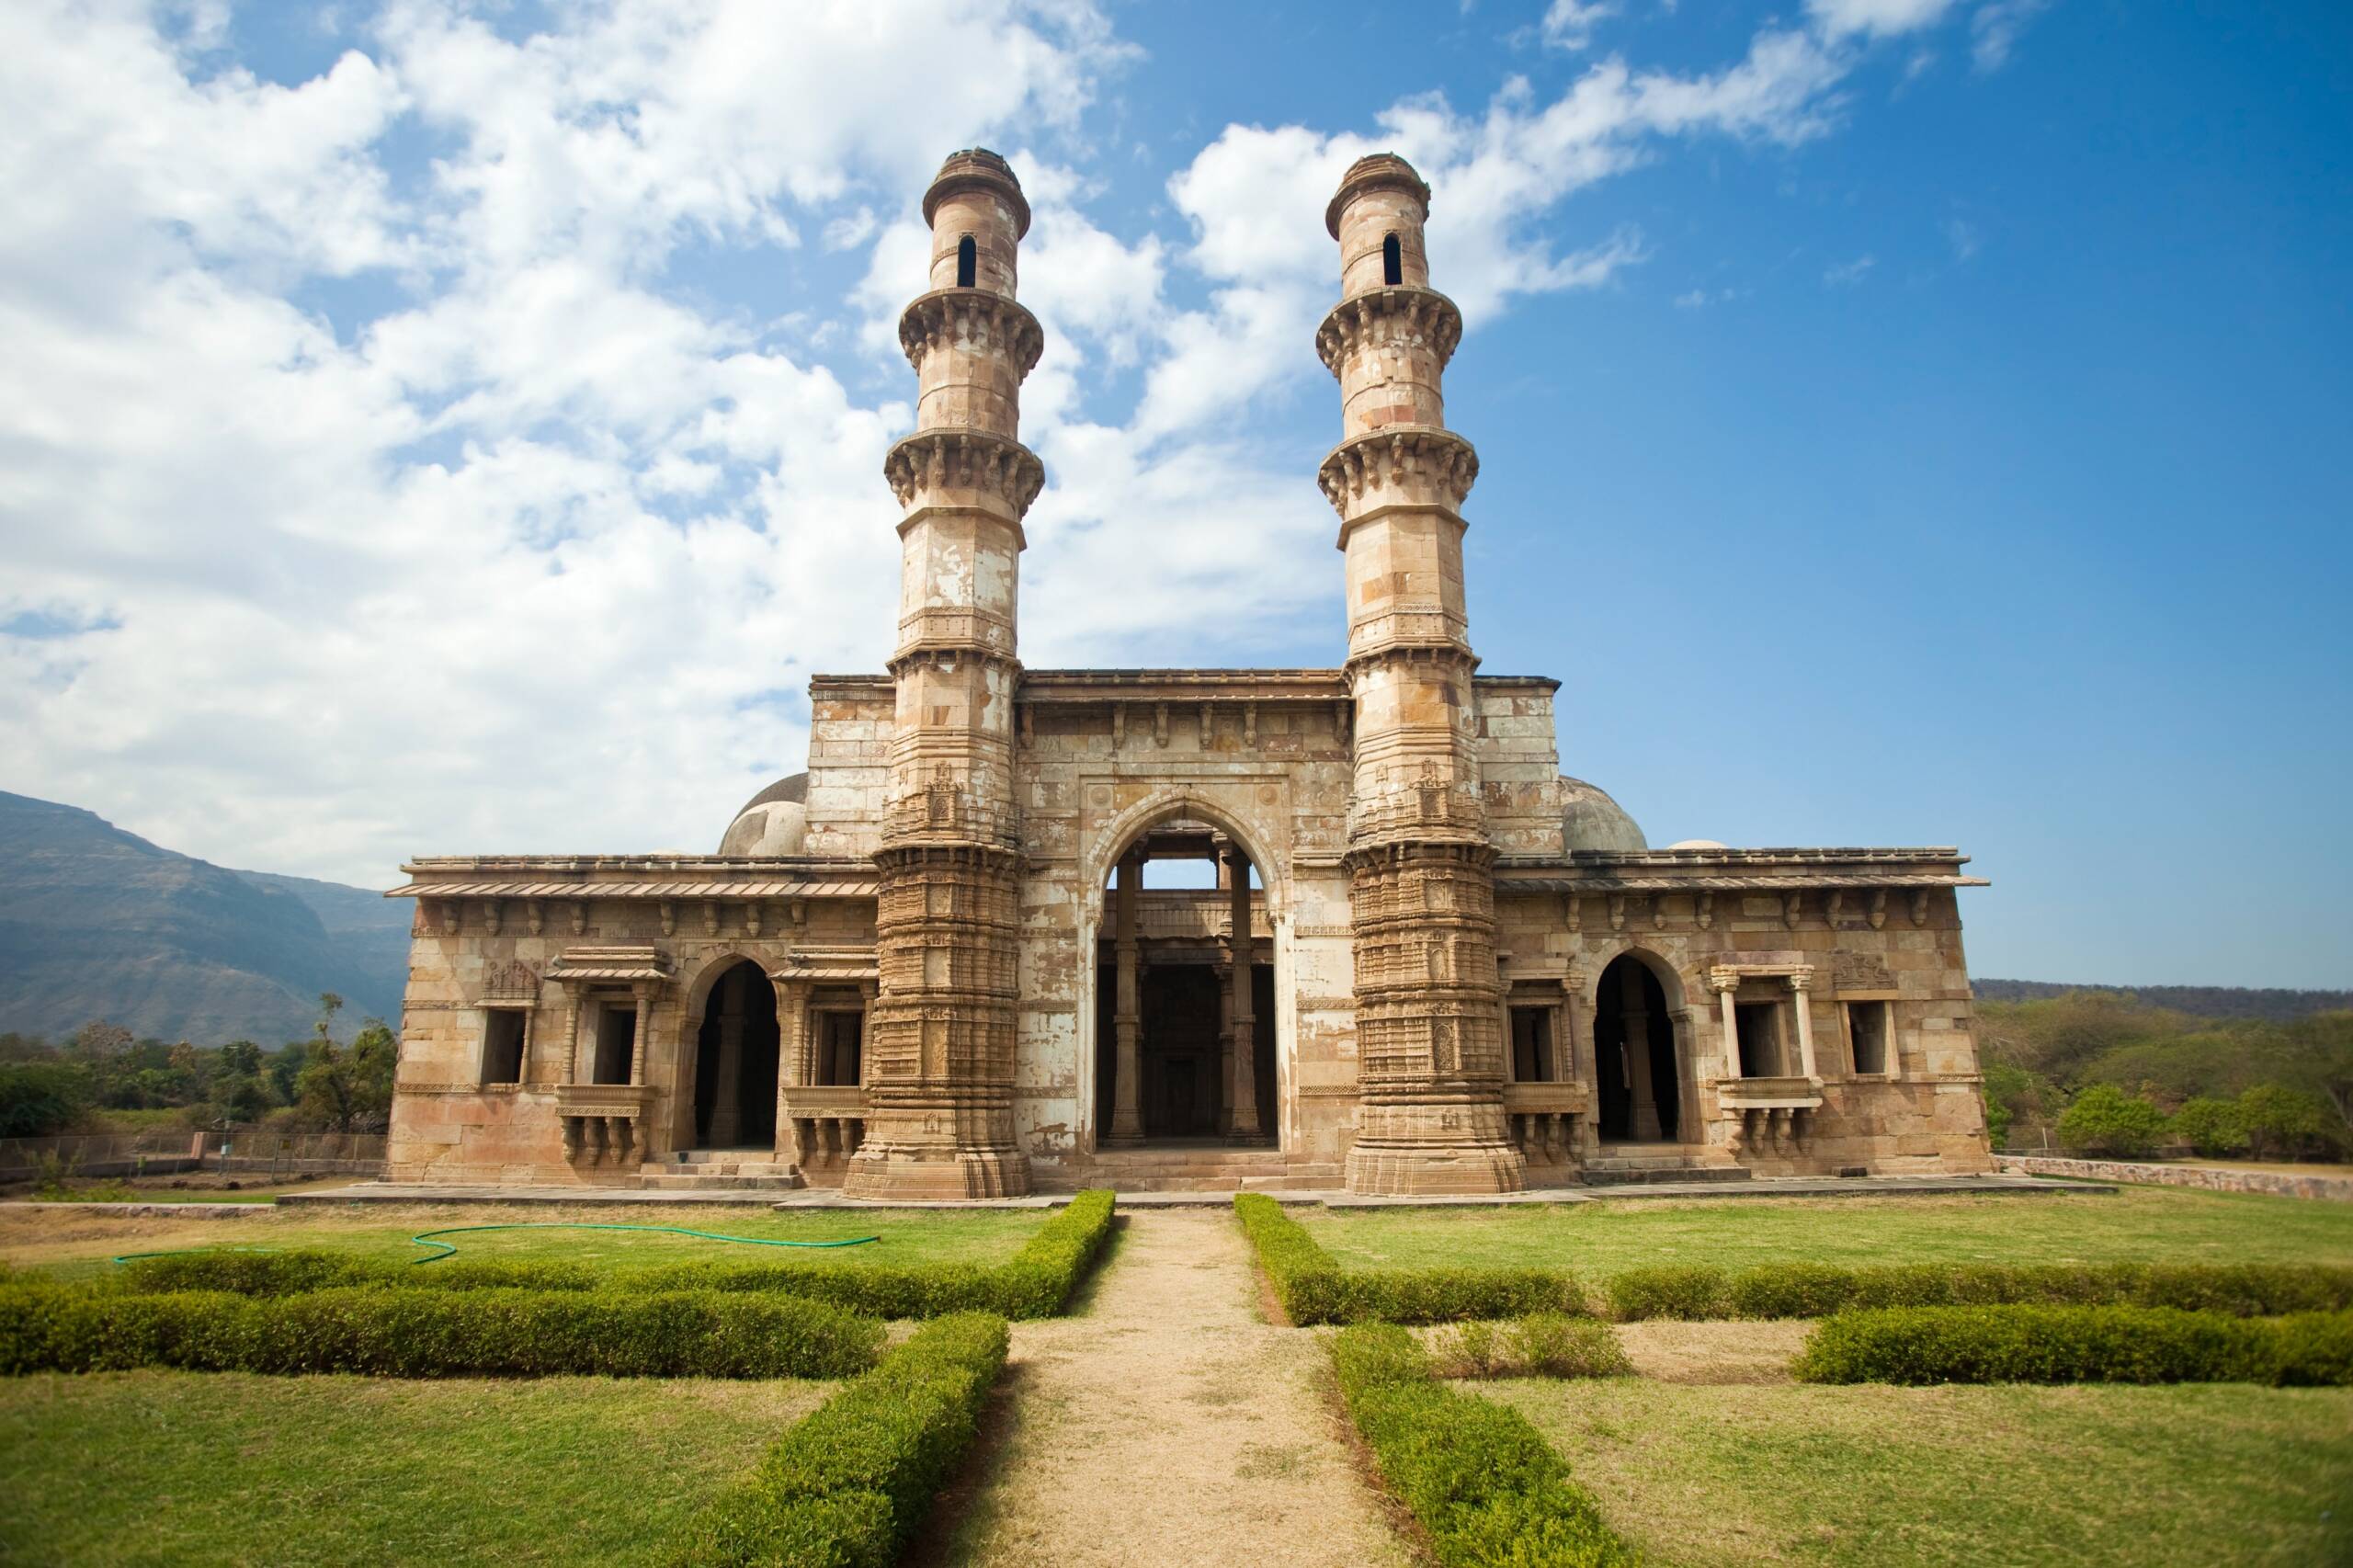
(175, 1252)
(420, 1238)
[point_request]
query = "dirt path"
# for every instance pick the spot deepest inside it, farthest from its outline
(1170, 1424)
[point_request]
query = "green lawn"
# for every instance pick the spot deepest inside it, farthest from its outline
(2137, 1224)
(80, 1242)
(116, 1469)
(2184, 1477)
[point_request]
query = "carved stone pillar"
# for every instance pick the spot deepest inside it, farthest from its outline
(644, 992)
(1802, 1003)
(1643, 1095)
(1724, 985)
(1242, 1028)
(1127, 1004)
(1225, 1046)
(792, 1061)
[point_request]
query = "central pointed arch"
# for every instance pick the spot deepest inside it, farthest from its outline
(1179, 1042)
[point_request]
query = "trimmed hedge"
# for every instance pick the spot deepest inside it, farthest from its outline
(1314, 1288)
(2076, 1345)
(847, 1486)
(1485, 1483)
(1807, 1290)
(429, 1333)
(1033, 1283)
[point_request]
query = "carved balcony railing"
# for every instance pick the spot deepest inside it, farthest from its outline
(827, 1121)
(1198, 915)
(1769, 1114)
(1545, 1119)
(604, 1124)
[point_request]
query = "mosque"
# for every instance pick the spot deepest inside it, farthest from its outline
(1021, 930)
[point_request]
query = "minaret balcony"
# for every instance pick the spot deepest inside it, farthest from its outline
(974, 321)
(1399, 316)
(934, 464)
(1420, 465)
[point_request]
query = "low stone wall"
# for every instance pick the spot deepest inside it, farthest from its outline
(2274, 1184)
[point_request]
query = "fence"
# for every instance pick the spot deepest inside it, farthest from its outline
(171, 1150)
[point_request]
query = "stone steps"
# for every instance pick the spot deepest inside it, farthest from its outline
(723, 1170)
(1631, 1164)
(1210, 1169)
(668, 1182)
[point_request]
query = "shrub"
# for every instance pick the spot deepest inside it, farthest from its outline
(313, 1268)
(1041, 1275)
(37, 1099)
(1543, 1344)
(1554, 1344)
(1314, 1288)
(1691, 1292)
(2288, 1124)
(848, 1485)
(426, 1334)
(2104, 1119)
(2072, 1344)
(2210, 1126)
(1034, 1282)
(1473, 1349)
(1802, 1291)
(1482, 1481)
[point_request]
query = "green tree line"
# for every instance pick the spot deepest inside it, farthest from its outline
(103, 1077)
(2113, 1073)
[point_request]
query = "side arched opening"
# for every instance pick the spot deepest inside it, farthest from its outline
(1638, 1055)
(735, 1062)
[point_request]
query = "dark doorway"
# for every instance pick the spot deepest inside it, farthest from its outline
(735, 1062)
(1181, 1051)
(1634, 1055)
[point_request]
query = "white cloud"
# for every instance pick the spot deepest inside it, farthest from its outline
(1876, 18)
(1994, 28)
(1568, 24)
(533, 546)
(1847, 274)
(1963, 237)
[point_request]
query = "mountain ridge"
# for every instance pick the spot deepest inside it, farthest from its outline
(97, 922)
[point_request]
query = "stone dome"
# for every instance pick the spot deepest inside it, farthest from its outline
(1591, 820)
(1695, 844)
(773, 822)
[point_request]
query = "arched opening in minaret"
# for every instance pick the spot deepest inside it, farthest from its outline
(968, 263)
(1392, 262)
(1634, 1055)
(1182, 1054)
(735, 1062)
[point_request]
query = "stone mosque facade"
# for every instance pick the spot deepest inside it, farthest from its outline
(1411, 957)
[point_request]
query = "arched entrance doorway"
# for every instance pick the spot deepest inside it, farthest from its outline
(1635, 1057)
(1185, 1027)
(735, 1062)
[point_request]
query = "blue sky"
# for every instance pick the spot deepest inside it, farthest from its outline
(438, 428)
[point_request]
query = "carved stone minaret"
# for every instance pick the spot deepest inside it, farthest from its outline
(1429, 1005)
(939, 1064)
